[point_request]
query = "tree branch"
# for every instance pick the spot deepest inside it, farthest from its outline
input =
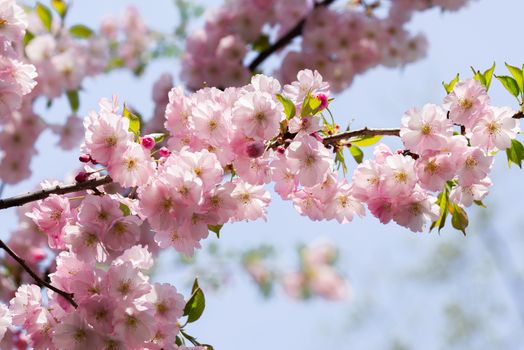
(40, 282)
(360, 132)
(22, 199)
(286, 39)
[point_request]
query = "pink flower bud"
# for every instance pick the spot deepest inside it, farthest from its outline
(164, 152)
(281, 149)
(84, 158)
(323, 101)
(255, 149)
(148, 142)
(81, 176)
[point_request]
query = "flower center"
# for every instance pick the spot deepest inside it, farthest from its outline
(493, 127)
(401, 176)
(111, 141)
(465, 103)
(471, 162)
(426, 129)
(431, 167)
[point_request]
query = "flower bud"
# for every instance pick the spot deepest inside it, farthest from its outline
(81, 176)
(323, 101)
(281, 149)
(255, 149)
(164, 152)
(84, 158)
(147, 142)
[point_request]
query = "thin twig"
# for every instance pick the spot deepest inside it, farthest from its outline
(284, 40)
(34, 196)
(40, 282)
(360, 132)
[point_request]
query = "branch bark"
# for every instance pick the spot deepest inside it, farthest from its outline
(35, 196)
(39, 281)
(286, 39)
(360, 132)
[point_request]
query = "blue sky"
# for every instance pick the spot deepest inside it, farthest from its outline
(380, 261)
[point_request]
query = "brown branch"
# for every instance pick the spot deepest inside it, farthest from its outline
(22, 199)
(40, 282)
(286, 39)
(360, 132)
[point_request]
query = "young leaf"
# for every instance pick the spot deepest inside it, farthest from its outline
(357, 153)
(515, 153)
(196, 304)
(215, 228)
(289, 106)
(449, 87)
(460, 218)
(158, 137)
(341, 161)
(364, 141)
(134, 121)
(125, 209)
(80, 31)
(479, 76)
(442, 202)
(45, 15)
(28, 37)
(488, 75)
(74, 100)
(510, 84)
(60, 7)
(310, 105)
(517, 74)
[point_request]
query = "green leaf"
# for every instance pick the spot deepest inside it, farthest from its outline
(74, 100)
(460, 218)
(479, 203)
(125, 209)
(364, 141)
(517, 74)
(215, 228)
(442, 202)
(449, 87)
(178, 341)
(289, 106)
(478, 76)
(134, 121)
(515, 153)
(310, 105)
(488, 75)
(158, 136)
(262, 43)
(81, 31)
(60, 7)
(28, 37)
(196, 304)
(45, 15)
(340, 161)
(357, 153)
(510, 84)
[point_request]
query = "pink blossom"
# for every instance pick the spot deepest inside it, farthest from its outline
(466, 195)
(14, 21)
(74, 333)
(416, 210)
(467, 103)
(168, 303)
(425, 129)
(474, 166)
(51, 216)
(258, 115)
(495, 130)
(134, 326)
(133, 167)
(310, 159)
(123, 233)
(343, 205)
(252, 201)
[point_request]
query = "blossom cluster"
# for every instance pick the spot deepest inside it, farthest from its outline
(398, 186)
(118, 307)
(339, 42)
(40, 59)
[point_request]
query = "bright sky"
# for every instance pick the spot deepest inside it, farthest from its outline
(380, 261)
